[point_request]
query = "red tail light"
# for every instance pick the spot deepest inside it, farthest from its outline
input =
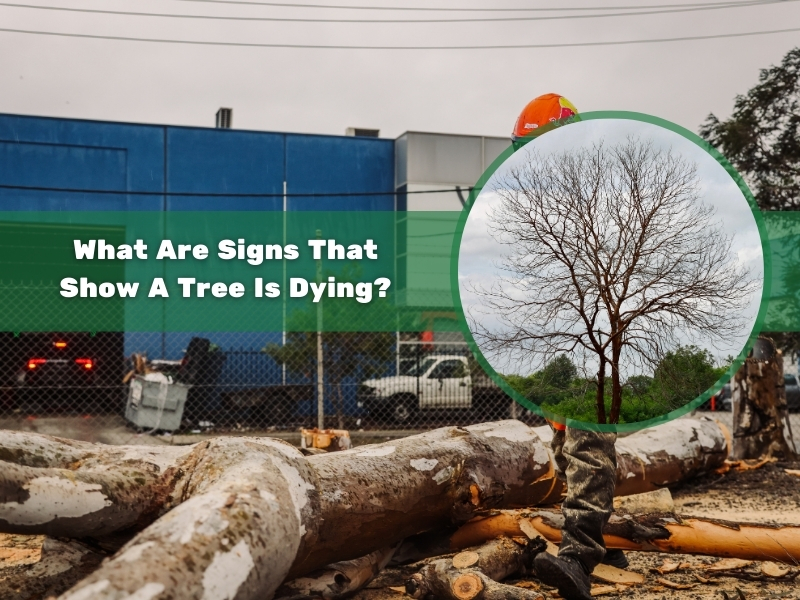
(87, 363)
(35, 362)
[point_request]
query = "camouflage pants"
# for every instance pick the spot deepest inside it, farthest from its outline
(588, 460)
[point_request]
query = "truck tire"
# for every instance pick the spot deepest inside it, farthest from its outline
(403, 409)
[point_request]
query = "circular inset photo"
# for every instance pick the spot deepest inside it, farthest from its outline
(611, 272)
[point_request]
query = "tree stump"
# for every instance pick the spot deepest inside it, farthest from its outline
(759, 405)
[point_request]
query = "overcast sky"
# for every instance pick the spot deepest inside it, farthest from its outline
(481, 253)
(325, 91)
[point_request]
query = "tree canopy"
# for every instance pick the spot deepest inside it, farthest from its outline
(761, 138)
(611, 257)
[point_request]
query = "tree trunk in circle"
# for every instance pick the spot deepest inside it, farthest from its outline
(759, 405)
(601, 391)
(616, 386)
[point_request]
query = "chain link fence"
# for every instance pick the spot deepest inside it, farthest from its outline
(105, 387)
(71, 383)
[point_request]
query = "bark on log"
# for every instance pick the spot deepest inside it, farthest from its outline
(648, 533)
(760, 414)
(475, 574)
(236, 516)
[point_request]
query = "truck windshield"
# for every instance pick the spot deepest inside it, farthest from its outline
(414, 369)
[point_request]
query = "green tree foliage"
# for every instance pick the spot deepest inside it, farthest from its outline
(762, 140)
(550, 385)
(762, 136)
(680, 377)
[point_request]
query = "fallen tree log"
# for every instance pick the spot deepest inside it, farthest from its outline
(671, 452)
(245, 513)
(237, 516)
(647, 533)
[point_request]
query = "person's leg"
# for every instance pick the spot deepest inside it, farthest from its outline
(588, 461)
(591, 473)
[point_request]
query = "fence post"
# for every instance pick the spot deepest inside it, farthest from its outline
(320, 368)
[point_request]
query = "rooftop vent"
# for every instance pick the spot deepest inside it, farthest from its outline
(224, 118)
(361, 132)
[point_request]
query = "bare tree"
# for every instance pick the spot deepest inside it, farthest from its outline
(611, 255)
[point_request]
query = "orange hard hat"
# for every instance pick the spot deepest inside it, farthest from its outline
(541, 111)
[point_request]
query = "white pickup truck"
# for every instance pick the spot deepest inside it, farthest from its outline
(433, 382)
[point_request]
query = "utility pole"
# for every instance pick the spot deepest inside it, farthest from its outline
(284, 287)
(320, 368)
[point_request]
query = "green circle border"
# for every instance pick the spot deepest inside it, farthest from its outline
(737, 362)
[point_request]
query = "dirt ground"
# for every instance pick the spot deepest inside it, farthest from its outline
(35, 567)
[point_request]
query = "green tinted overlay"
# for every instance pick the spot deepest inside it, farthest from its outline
(224, 271)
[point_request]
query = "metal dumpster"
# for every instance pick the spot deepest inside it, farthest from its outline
(156, 403)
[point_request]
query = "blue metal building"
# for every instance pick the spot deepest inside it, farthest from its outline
(131, 167)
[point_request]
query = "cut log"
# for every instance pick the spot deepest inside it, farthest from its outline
(760, 415)
(338, 580)
(650, 533)
(483, 567)
(250, 512)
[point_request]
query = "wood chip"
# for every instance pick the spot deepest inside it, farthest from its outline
(462, 560)
(700, 578)
(749, 465)
(771, 569)
(668, 566)
(528, 585)
(602, 590)
(795, 472)
(674, 585)
(399, 589)
(522, 541)
(528, 529)
(15, 557)
(552, 549)
(611, 574)
(728, 564)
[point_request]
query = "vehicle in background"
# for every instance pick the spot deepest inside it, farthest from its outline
(792, 392)
(68, 371)
(444, 381)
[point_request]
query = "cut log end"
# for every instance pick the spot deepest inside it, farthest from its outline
(462, 560)
(466, 586)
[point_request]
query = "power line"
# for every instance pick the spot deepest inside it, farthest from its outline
(397, 21)
(224, 194)
(357, 47)
(448, 9)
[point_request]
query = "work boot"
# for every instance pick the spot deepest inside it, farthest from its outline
(616, 558)
(566, 574)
